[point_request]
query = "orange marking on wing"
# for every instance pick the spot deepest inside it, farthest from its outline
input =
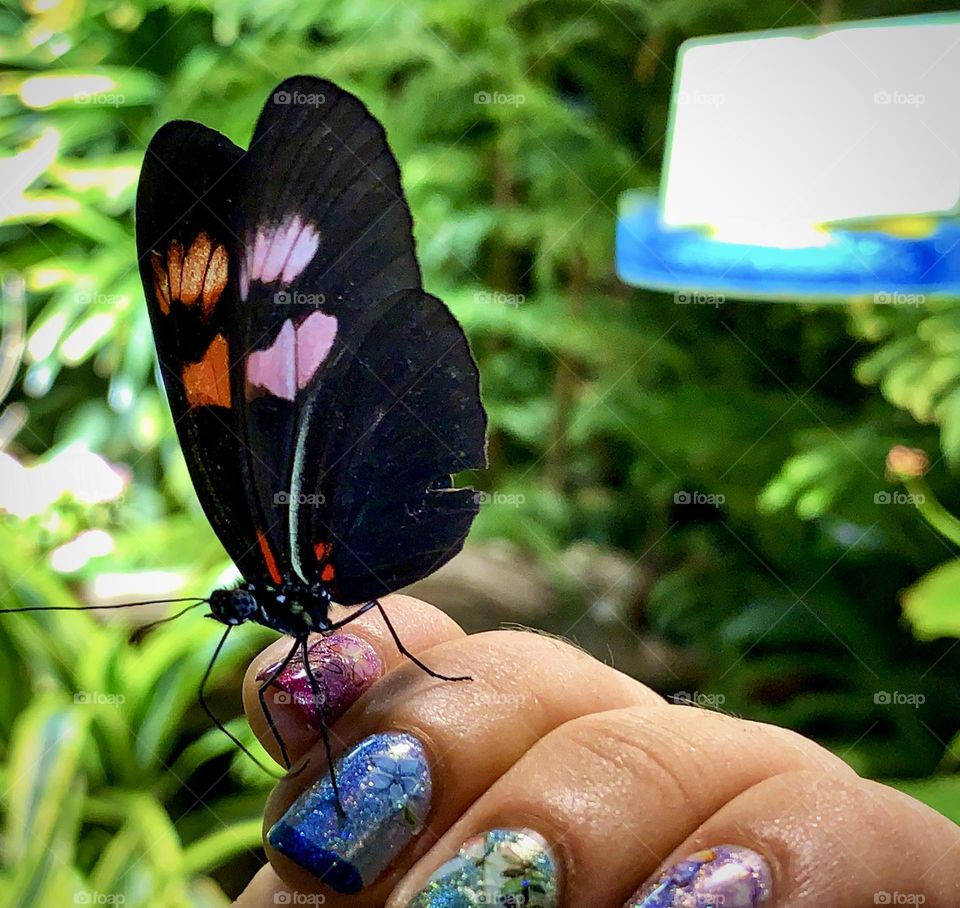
(322, 550)
(268, 558)
(199, 274)
(161, 283)
(207, 383)
(194, 268)
(215, 279)
(175, 268)
(328, 573)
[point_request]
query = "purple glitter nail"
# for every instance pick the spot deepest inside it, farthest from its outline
(728, 875)
(343, 665)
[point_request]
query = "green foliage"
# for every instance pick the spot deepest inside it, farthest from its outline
(104, 751)
(736, 452)
(931, 605)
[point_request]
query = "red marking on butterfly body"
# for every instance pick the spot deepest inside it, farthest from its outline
(268, 558)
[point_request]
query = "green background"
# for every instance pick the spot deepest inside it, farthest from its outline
(778, 594)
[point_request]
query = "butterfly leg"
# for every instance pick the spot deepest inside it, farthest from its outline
(405, 652)
(324, 728)
(351, 617)
(261, 694)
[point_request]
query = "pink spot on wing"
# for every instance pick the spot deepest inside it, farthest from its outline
(274, 369)
(282, 251)
(260, 246)
(244, 278)
(315, 338)
(303, 251)
(282, 238)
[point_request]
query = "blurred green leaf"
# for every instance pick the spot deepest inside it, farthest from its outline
(44, 796)
(932, 605)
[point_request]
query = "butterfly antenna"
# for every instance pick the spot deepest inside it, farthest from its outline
(214, 719)
(146, 628)
(196, 600)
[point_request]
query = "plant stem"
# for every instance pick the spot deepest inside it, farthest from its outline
(932, 511)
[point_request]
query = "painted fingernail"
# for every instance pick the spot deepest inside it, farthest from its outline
(385, 790)
(728, 875)
(507, 867)
(343, 665)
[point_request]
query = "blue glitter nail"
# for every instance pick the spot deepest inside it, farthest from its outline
(505, 867)
(385, 789)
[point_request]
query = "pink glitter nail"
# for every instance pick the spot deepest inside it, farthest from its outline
(343, 665)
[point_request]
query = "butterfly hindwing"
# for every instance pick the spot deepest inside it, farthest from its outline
(188, 264)
(398, 414)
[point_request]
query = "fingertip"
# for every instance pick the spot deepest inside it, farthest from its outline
(342, 666)
(266, 888)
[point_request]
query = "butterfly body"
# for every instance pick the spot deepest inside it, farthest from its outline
(291, 608)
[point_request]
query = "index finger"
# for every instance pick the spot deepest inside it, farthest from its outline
(344, 663)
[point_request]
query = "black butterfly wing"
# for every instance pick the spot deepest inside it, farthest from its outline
(189, 268)
(323, 400)
(325, 235)
(395, 414)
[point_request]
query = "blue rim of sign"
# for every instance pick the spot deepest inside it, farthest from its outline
(854, 263)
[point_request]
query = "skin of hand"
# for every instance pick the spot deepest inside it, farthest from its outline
(550, 779)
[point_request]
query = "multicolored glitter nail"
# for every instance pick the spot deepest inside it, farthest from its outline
(385, 789)
(728, 875)
(505, 867)
(343, 665)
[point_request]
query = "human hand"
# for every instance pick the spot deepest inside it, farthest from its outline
(577, 785)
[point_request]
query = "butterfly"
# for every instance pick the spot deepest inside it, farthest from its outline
(322, 398)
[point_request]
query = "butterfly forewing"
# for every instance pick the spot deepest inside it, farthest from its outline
(325, 236)
(187, 256)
